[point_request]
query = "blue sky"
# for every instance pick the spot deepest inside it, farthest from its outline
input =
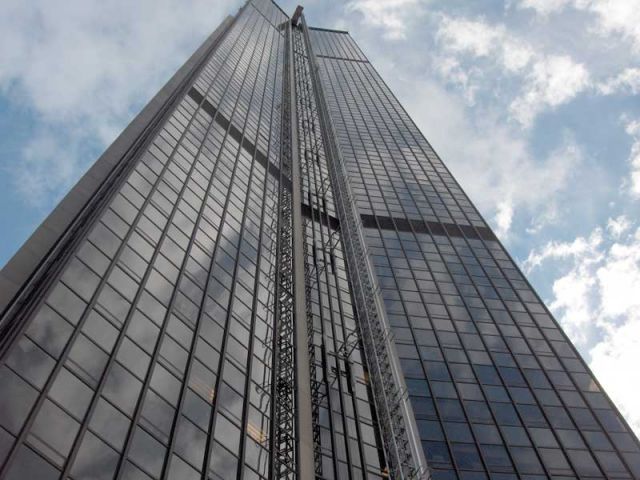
(533, 104)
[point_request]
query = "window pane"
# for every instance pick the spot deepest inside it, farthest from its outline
(16, 400)
(526, 460)
(223, 464)
(157, 415)
(437, 454)
(28, 465)
(583, 462)
(466, 456)
(80, 279)
(165, 384)
(496, 457)
(133, 358)
(100, 331)
(182, 470)
(31, 362)
(87, 360)
(109, 423)
(71, 393)
(6, 442)
(50, 330)
(53, 432)
(147, 452)
(190, 442)
(122, 388)
(95, 460)
(66, 303)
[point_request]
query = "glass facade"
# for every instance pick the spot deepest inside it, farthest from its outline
(150, 355)
(145, 350)
(497, 389)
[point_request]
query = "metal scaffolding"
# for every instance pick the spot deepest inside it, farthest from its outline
(403, 455)
(317, 146)
(283, 385)
(335, 355)
(310, 144)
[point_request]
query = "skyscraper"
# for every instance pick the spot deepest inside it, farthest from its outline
(271, 274)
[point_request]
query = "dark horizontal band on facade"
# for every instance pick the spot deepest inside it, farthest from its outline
(27, 270)
(261, 158)
(315, 214)
(368, 221)
(320, 29)
(421, 226)
(237, 135)
(343, 58)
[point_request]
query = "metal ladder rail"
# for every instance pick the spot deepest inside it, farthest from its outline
(311, 270)
(390, 400)
(283, 461)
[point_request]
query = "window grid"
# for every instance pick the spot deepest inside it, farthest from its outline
(179, 183)
(491, 338)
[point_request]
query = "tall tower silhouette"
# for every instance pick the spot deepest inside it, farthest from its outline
(271, 274)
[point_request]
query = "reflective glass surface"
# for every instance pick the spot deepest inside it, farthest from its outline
(497, 389)
(150, 354)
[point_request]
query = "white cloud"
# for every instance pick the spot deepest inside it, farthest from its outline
(596, 300)
(614, 361)
(82, 68)
(626, 82)
(475, 37)
(572, 292)
(632, 127)
(503, 217)
(612, 17)
(50, 162)
(454, 72)
(620, 277)
(580, 247)
(481, 39)
(548, 80)
(389, 15)
(516, 55)
(545, 7)
(617, 226)
(549, 216)
(615, 17)
(554, 80)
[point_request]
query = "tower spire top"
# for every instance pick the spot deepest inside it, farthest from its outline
(296, 15)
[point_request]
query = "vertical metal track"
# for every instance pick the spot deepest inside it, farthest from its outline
(312, 150)
(303, 91)
(402, 449)
(283, 384)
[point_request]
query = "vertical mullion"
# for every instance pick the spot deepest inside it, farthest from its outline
(321, 311)
(334, 322)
